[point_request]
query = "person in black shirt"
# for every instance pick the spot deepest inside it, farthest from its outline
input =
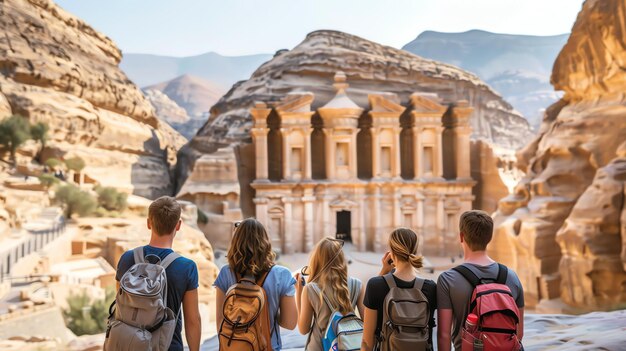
(403, 258)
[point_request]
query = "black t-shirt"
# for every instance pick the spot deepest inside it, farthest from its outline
(377, 289)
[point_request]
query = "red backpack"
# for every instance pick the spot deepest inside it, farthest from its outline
(498, 316)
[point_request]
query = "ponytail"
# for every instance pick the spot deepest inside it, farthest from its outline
(404, 244)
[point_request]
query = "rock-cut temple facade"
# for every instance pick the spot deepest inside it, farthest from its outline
(357, 172)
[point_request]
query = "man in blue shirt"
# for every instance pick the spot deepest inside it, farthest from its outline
(182, 275)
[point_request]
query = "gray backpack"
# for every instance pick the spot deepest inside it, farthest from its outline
(139, 318)
(405, 318)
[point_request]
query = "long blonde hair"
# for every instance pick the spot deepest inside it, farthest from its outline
(250, 250)
(328, 269)
(403, 243)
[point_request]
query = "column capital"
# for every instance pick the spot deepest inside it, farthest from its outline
(260, 200)
(259, 131)
(328, 131)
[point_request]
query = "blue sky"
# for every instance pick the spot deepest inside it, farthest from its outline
(238, 27)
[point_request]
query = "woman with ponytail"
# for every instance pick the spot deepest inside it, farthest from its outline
(327, 289)
(402, 262)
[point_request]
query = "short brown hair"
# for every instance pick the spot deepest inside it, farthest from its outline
(164, 214)
(250, 249)
(477, 228)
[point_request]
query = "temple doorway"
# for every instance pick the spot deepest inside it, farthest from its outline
(344, 226)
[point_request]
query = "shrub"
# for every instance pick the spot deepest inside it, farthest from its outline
(39, 133)
(75, 200)
(111, 199)
(53, 163)
(75, 164)
(48, 180)
(14, 131)
(86, 316)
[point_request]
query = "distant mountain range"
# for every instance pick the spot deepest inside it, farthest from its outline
(516, 66)
(223, 71)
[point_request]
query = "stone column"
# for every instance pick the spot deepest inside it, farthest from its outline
(397, 211)
(308, 220)
(396, 165)
(307, 153)
(288, 239)
(286, 153)
(417, 152)
(462, 142)
(375, 152)
(419, 199)
(353, 155)
(325, 217)
(375, 203)
(330, 153)
(261, 210)
(438, 161)
(260, 146)
(441, 226)
(362, 244)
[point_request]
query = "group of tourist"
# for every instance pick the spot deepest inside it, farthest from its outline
(478, 303)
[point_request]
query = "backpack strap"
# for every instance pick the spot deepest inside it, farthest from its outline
(503, 273)
(169, 259)
(138, 255)
(262, 278)
(418, 284)
(326, 300)
(468, 275)
(390, 281)
(354, 289)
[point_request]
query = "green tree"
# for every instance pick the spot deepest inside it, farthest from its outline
(111, 199)
(75, 200)
(75, 164)
(48, 180)
(14, 131)
(86, 316)
(53, 163)
(39, 133)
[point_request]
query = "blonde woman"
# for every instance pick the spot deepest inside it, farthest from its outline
(327, 284)
(250, 253)
(402, 256)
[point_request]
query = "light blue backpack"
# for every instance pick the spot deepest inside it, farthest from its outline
(343, 332)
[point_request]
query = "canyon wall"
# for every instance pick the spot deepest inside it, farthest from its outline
(54, 68)
(564, 229)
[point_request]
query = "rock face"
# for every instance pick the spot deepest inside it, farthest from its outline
(58, 70)
(563, 228)
(369, 67)
(166, 109)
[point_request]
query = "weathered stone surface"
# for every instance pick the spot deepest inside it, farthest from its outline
(579, 140)
(58, 70)
(485, 166)
(166, 109)
(369, 67)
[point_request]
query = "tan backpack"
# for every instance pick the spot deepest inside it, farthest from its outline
(405, 318)
(246, 324)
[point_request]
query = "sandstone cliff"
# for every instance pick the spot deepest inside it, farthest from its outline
(564, 226)
(57, 69)
(369, 67)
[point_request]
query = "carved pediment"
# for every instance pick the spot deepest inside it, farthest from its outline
(385, 103)
(296, 102)
(342, 202)
(423, 103)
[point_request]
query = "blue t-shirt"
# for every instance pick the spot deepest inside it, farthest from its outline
(182, 276)
(278, 283)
